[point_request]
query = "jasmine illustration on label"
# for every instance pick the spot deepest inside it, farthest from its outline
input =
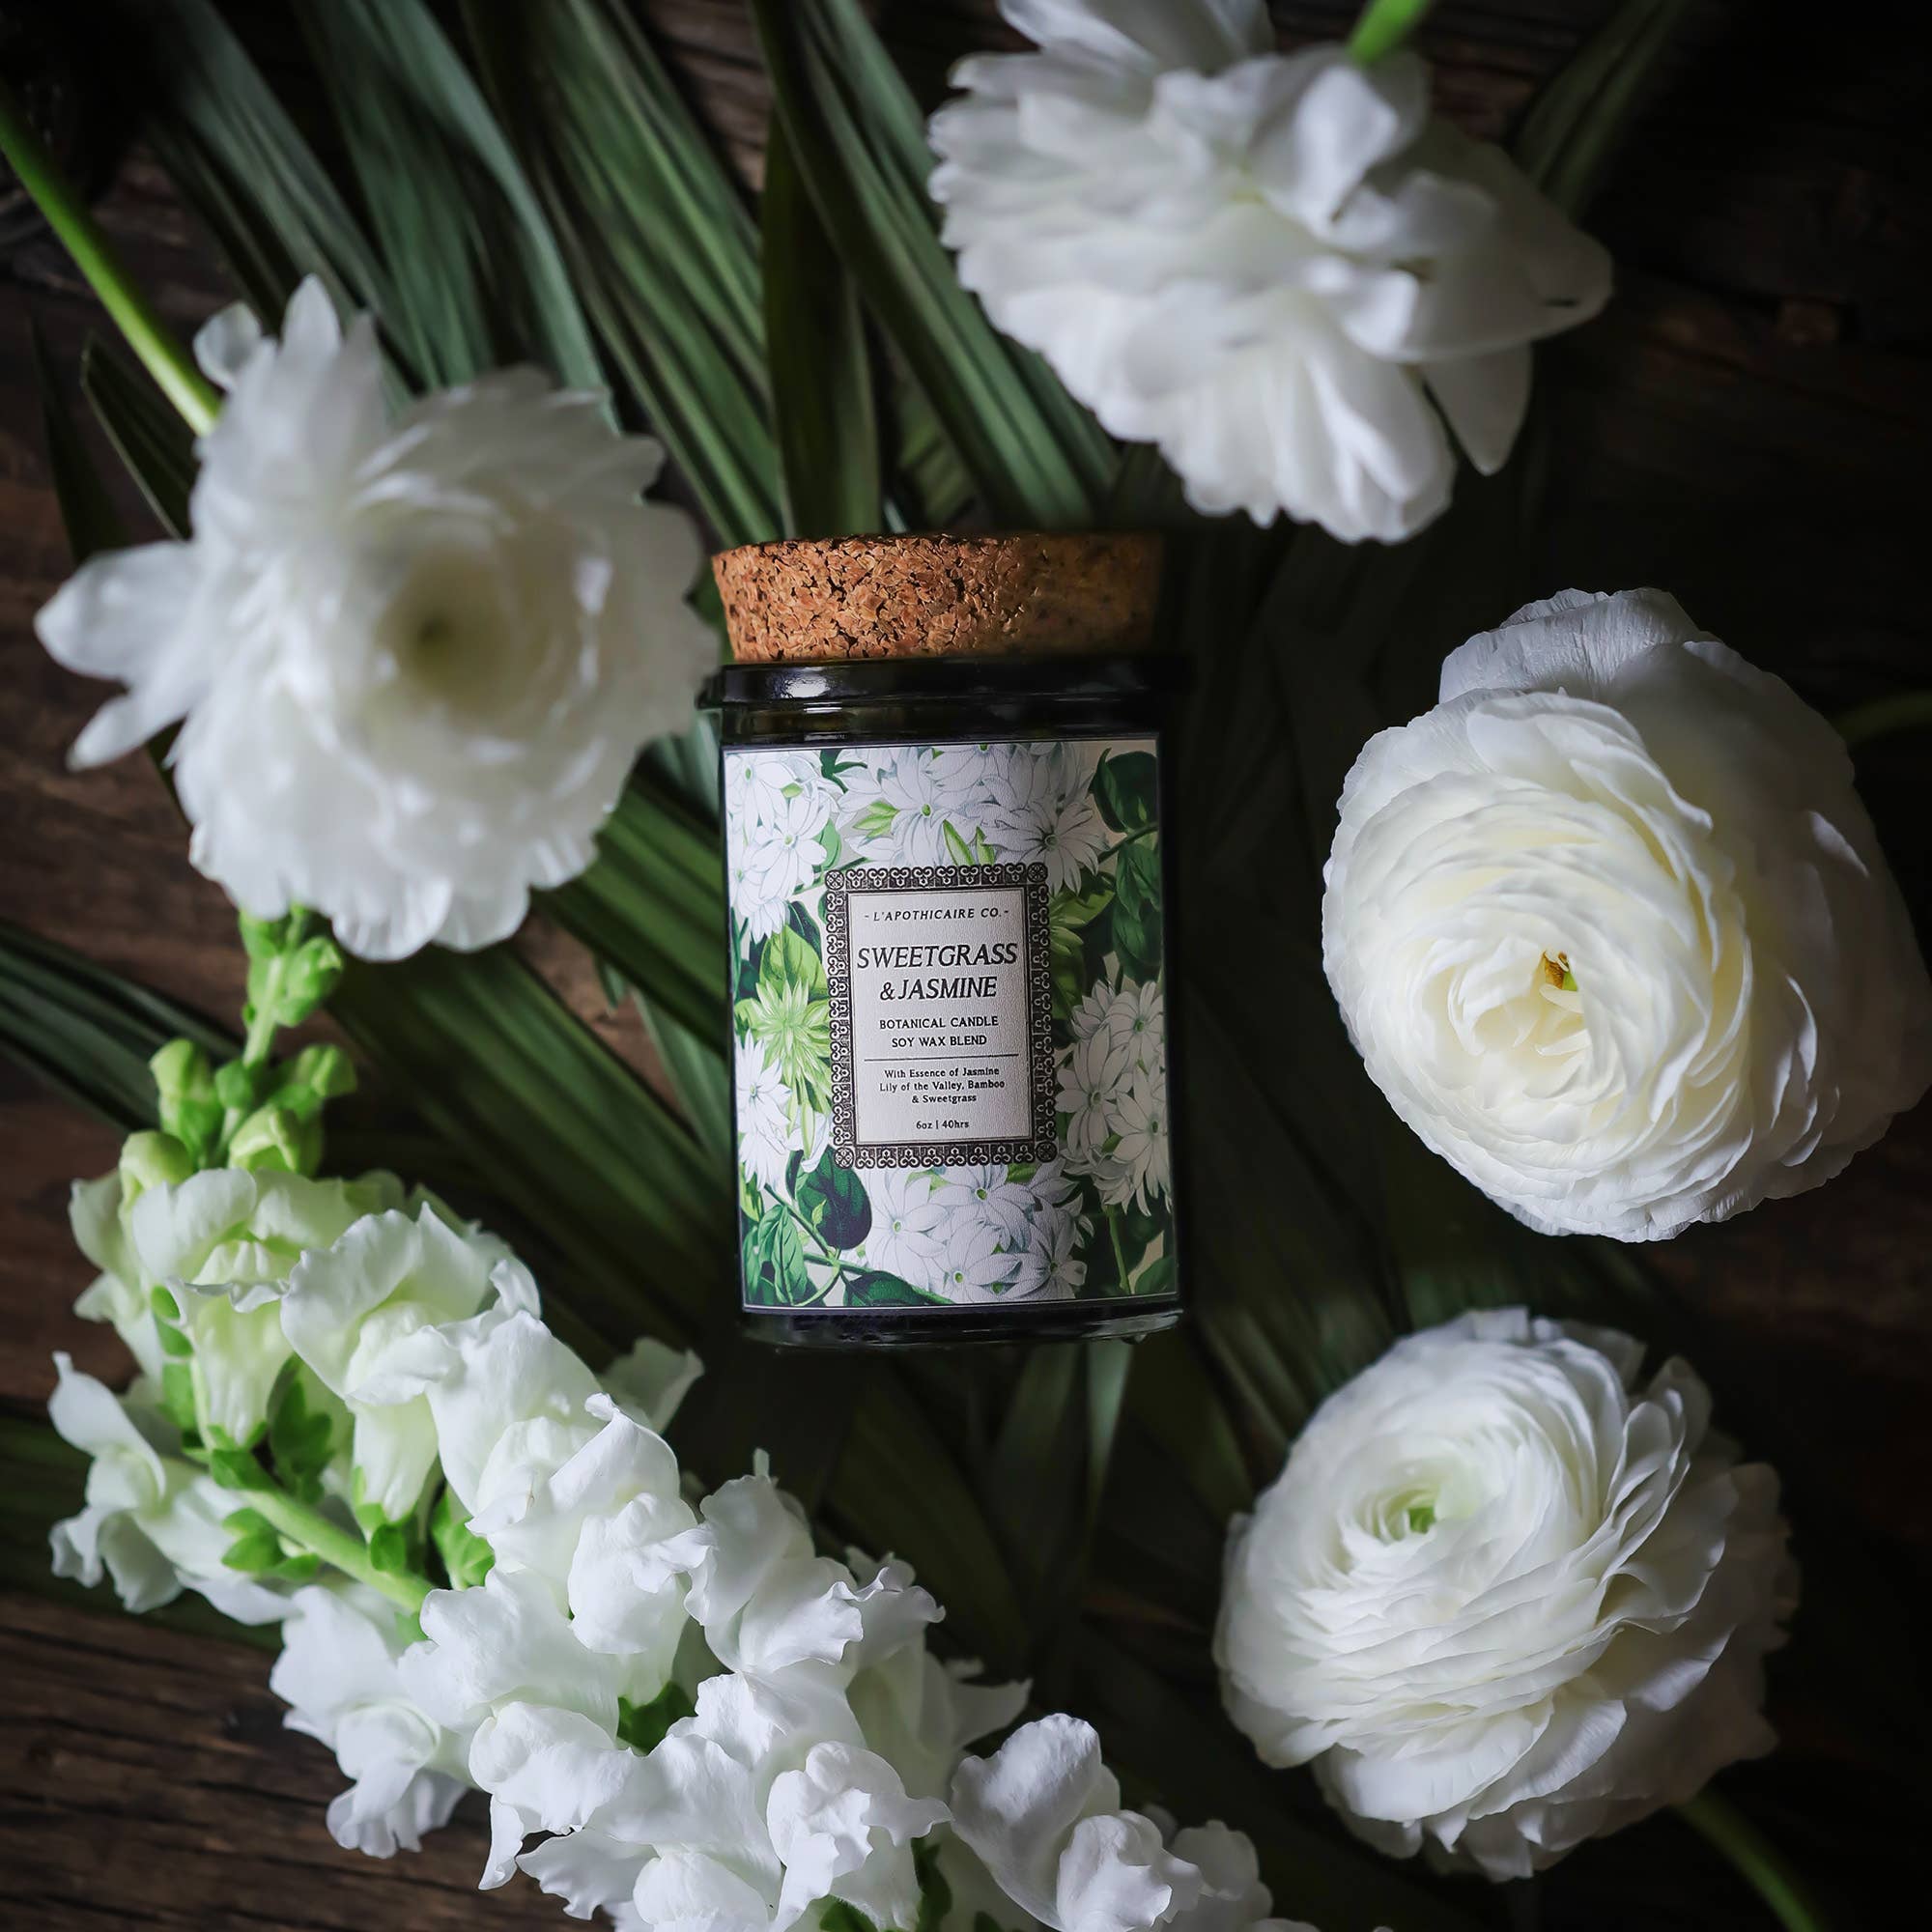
(949, 1028)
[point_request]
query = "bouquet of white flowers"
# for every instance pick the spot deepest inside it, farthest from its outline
(1607, 926)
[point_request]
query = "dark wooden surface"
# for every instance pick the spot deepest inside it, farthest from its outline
(1747, 426)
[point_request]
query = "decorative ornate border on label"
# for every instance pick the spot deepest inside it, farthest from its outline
(847, 1150)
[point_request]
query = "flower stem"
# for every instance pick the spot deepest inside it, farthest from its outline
(1757, 1859)
(67, 214)
(338, 1547)
(1384, 25)
(1908, 711)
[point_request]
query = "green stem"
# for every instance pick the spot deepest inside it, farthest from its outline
(1120, 1253)
(1757, 1859)
(67, 214)
(1908, 711)
(1384, 25)
(1121, 844)
(338, 1547)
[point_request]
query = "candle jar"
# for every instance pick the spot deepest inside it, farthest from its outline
(946, 818)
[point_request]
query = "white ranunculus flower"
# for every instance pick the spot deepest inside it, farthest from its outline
(413, 655)
(1506, 1598)
(1612, 932)
(1278, 267)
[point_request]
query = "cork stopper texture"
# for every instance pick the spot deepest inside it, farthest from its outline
(1034, 593)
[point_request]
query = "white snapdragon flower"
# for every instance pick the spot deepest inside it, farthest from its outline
(1043, 1815)
(219, 1244)
(413, 656)
(353, 1311)
(340, 1673)
(1506, 1597)
(1612, 932)
(153, 1520)
(1279, 268)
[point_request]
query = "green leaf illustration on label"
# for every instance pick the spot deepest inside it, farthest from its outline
(834, 1204)
(787, 1015)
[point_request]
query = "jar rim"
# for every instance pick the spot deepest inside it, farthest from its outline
(858, 682)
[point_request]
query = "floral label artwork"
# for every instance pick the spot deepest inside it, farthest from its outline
(949, 1024)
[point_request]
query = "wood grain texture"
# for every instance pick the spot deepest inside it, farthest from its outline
(1747, 425)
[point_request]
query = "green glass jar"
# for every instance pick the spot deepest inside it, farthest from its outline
(950, 1035)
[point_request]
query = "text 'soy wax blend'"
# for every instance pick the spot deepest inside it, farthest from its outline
(944, 809)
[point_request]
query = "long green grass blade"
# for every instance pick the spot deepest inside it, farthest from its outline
(557, 1129)
(93, 524)
(661, 249)
(244, 169)
(652, 907)
(1572, 132)
(153, 442)
(476, 277)
(856, 134)
(821, 376)
(87, 1032)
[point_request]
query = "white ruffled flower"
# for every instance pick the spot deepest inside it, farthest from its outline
(414, 657)
(1612, 932)
(357, 1311)
(1278, 267)
(153, 1521)
(340, 1673)
(1504, 1597)
(1043, 1815)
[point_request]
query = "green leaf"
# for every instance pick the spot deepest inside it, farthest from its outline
(1038, 459)
(389, 1549)
(301, 1440)
(642, 1726)
(962, 853)
(87, 1032)
(476, 277)
(1137, 910)
(86, 510)
(875, 1289)
(1127, 789)
(653, 907)
(832, 1199)
(788, 1015)
(828, 432)
(467, 1558)
(240, 163)
(153, 441)
(661, 248)
(563, 1134)
(1577, 122)
(775, 1274)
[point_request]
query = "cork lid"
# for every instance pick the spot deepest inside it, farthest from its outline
(1009, 594)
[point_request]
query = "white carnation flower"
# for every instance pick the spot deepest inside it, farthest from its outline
(1612, 932)
(414, 657)
(1504, 1597)
(1278, 267)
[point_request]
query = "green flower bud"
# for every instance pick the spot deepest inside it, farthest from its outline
(311, 972)
(180, 1071)
(238, 1085)
(326, 1070)
(272, 1139)
(152, 1160)
(268, 938)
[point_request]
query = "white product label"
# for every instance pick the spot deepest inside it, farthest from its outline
(940, 1014)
